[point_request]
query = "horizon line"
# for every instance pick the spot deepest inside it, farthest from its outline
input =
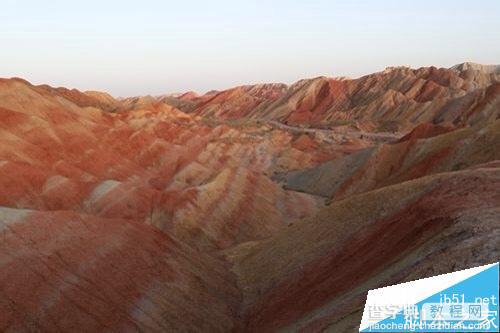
(254, 83)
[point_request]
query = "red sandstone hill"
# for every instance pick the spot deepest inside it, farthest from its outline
(255, 209)
(414, 156)
(240, 102)
(396, 99)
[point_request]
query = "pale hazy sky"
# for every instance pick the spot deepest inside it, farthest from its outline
(154, 47)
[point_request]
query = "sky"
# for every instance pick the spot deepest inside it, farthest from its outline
(154, 47)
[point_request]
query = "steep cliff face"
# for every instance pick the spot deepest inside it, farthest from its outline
(258, 208)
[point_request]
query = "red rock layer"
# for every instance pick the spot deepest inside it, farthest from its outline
(59, 156)
(395, 99)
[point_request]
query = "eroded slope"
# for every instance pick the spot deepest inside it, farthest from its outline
(167, 213)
